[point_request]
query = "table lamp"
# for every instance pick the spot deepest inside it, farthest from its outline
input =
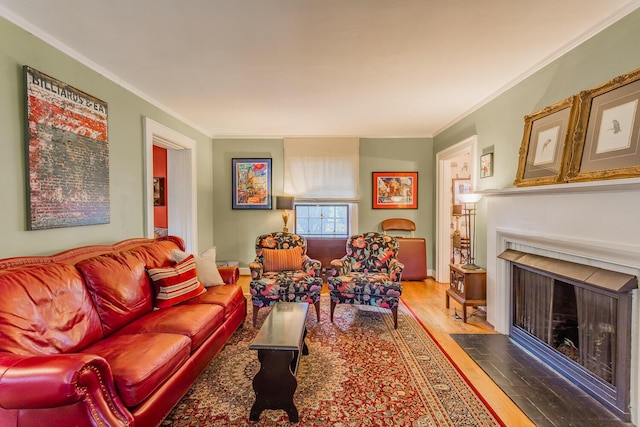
(286, 203)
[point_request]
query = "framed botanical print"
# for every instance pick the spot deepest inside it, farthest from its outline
(546, 144)
(606, 143)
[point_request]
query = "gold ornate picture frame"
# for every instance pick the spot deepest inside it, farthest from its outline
(546, 144)
(606, 142)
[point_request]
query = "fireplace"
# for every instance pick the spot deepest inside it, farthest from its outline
(587, 223)
(577, 319)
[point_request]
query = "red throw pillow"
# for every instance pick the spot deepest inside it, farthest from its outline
(176, 284)
(282, 259)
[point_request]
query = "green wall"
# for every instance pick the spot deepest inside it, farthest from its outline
(399, 155)
(126, 111)
(235, 230)
(612, 52)
(500, 123)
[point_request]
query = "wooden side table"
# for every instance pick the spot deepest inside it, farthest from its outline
(467, 287)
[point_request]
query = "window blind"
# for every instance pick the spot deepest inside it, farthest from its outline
(322, 169)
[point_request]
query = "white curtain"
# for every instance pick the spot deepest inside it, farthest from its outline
(322, 169)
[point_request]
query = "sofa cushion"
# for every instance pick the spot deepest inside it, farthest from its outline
(140, 363)
(157, 254)
(176, 284)
(228, 297)
(208, 273)
(119, 286)
(282, 259)
(196, 321)
(46, 309)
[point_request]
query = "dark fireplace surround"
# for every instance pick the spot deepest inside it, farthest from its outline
(575, 318)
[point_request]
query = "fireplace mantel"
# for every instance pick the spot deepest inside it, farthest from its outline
(612, 185)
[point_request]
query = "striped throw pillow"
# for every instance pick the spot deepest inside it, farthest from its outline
(176, 284)
(282, 259)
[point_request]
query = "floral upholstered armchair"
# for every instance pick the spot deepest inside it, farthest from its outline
(282, 271)
(368, 274)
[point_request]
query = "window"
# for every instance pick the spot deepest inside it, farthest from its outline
(322, 220)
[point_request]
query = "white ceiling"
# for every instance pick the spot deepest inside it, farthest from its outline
(365, 68)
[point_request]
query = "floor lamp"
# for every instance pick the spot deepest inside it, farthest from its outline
(470, 200)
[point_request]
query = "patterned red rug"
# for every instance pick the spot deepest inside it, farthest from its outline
(359, 372)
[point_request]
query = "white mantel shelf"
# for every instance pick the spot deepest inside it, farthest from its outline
(611, 185)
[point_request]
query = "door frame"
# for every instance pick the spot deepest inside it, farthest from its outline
(181, 182)
(444, 202)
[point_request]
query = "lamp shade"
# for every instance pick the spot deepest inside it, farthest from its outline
(470, 197)
(284, 202)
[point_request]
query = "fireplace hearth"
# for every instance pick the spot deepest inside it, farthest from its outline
(577, 319)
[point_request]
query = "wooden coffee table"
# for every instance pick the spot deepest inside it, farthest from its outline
(279, 343)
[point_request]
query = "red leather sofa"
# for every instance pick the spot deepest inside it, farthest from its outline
(82, 345)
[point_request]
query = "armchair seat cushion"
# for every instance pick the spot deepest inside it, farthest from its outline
(288, 285)
(365, 288)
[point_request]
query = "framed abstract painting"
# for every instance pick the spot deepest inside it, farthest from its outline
(251, 183)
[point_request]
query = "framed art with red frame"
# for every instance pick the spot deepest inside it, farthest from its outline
(395, 190)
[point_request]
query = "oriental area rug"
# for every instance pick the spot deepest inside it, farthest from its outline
(360, 371)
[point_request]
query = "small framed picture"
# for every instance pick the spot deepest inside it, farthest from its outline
(486, 165)
(158, 191)
(460, 186)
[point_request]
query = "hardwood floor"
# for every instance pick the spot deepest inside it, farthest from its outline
(427, 300)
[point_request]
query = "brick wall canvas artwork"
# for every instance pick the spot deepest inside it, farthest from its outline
(67, 154)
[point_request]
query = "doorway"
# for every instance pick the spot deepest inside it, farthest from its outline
(181, 182)
(447, 170)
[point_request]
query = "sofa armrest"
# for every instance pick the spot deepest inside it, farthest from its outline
(51, 381)
(230, 275)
